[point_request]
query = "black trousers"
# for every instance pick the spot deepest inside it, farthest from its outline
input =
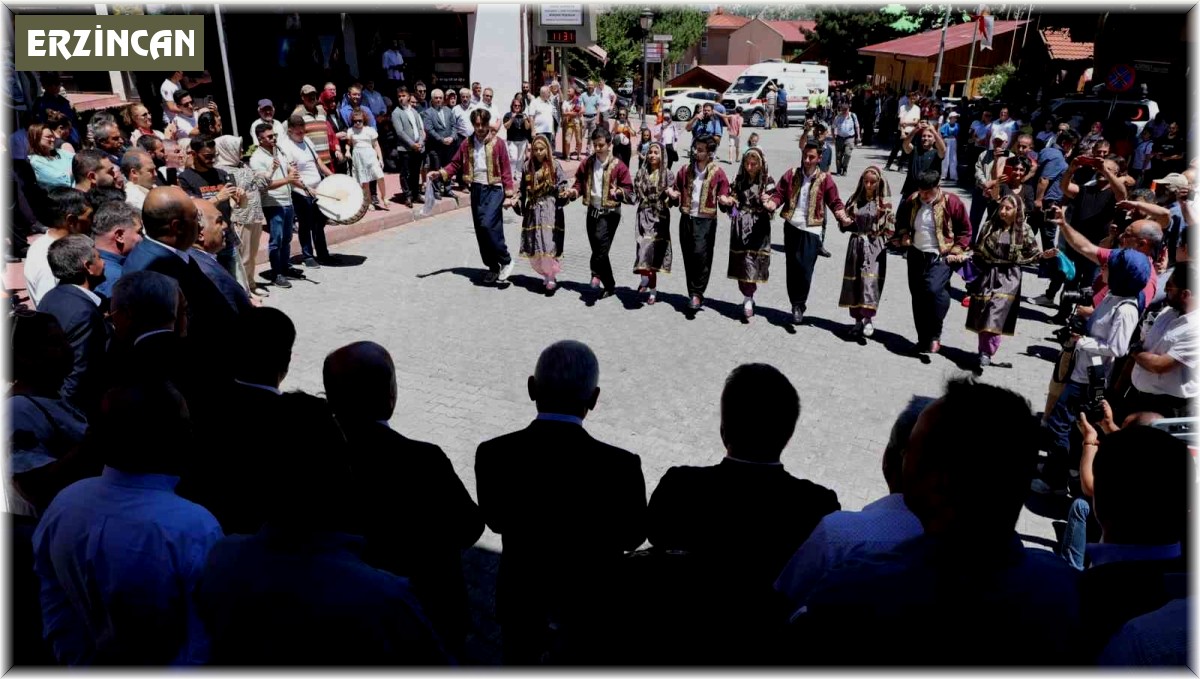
(697, 238)
(781, 114)
(801, 249)
(487, 202)
(601, 227)
(929, 285)
(312, 226)
(410, 173)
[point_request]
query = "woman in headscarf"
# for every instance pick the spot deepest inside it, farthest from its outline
(874, 222)
(248, 219)
(542, 229)
(750, 226)
(653, 220)
(1006, 243)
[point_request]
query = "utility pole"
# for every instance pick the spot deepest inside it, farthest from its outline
(967, 89)
(937, 75)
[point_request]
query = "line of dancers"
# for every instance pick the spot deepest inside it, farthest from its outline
(930, 226)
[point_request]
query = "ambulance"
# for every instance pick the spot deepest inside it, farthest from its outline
(747, 94)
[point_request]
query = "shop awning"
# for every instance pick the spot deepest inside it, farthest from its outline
(598, 52)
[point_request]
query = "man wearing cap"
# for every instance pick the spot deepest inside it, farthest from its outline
(949, 132)
(266, 114)
(315, 129)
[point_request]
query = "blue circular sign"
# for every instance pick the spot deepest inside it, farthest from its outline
(1120, 78)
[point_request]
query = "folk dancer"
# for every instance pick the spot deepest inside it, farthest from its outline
(543, 227)
(651, 186)
(873, 223)
(697, 187)
(485, 162)
(803, 194)
(604, 183)
(750, 207)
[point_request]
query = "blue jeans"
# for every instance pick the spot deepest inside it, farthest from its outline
(1074, 539)
(280, 221)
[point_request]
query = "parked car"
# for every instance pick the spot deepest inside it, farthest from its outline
(683, 106)
(1082, 111)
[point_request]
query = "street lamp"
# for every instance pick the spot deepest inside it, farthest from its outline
(646, 20)
(751, 43)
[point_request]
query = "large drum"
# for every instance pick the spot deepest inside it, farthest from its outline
(341, 199)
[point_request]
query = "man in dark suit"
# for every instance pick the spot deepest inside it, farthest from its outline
(566, 506)
(210, 242)
(234, 467)
(410, 128)
(170, 228)
(747, 512)
(78, 267)
(418, 515)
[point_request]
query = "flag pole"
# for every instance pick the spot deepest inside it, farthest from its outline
(967, 89)
(937, 75)
(1012, 45)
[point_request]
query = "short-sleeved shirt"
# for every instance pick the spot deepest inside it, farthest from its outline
(981, 132)
(921, 161)
(711, 127)
(543, 116)
(304, 157)
(1051, 166)
(1176, 336)
(1170, 147)
(590, 103)
(263, 163)
(1148, 292)
(517, 131)
(207, 185)
(167, 92)
(1092, 210)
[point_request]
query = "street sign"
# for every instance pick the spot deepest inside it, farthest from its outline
(1120, 78)
(562, 15)
(664, 38)
(655, 51)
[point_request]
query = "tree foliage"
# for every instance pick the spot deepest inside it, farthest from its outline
(840, 33)
(993, 84)
(778, 12)
(620, 34)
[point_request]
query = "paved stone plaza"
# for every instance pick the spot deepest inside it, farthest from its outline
(463, 350)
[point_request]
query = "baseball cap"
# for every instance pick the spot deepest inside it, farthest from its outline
(307, 89)
(265, 103)
(999, 135)
(1174, 180)
(953, 114)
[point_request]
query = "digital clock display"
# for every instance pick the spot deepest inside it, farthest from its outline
(560, 36)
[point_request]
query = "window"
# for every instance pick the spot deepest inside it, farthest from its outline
(704, 42)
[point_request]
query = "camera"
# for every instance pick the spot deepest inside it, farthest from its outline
(1076, 324)
(1093, 401)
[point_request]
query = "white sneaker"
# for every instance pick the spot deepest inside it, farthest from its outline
(505, 272)
(867, 329)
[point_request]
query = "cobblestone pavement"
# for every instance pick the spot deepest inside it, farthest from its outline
(463, 350)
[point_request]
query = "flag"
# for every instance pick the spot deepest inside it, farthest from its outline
(987, 27)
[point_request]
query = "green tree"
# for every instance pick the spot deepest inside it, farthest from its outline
(620, 34)
(993, 84)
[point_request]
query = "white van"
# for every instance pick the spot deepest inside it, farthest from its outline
(746, 94)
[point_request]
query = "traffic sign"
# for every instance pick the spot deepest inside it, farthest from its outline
(655, 51)
(1120, 78)
(664, 38)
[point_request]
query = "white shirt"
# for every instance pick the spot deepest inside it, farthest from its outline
(597, 184)
(1112, 326)
(909, 117)
(167, 92)
(697, 187)
(668, 135)
(543, 116)
(263, 163)
(279, 128)
(134, 194)
(1174, 335)
(842, 536)
(38, 278)
(183, 126)
(90, 295)
(801, 212)
(462, 121)
(925, 232)
(479, 171)
(304, 158)
(607, 95)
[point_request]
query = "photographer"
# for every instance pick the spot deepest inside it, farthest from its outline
(706, 123)
(1162, 377)
(1109, 331)
(1142, 235)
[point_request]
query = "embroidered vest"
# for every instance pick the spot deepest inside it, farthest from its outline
(816, 202)
(489, 152)
(606, 200)
(685, 198)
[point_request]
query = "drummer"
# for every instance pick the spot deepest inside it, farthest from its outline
(300, 153)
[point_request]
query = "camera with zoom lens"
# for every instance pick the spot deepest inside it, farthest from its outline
(1076, 324)
(1093, 400)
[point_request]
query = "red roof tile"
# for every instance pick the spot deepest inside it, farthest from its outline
(1060, 45)
(729, 21)
(722, 76)
(791, 30)
(925, 45)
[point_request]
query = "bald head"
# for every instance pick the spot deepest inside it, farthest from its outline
(211, 236)
(170, 217)
(1149, 236)
(360, 382)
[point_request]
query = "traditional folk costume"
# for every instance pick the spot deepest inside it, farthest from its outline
(866, 257)
(936, 230)
(595, 181)
(1000, 252)
(750, 230)
(698, 192)
(543, 226)
(486, 166)
(653, 223)
(803, 200)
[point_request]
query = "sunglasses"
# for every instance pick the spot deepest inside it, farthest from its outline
(185, 104)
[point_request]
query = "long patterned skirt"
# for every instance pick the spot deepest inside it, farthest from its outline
(653, 241)
(997, 299)
(750, 247)
(542, 236)
(866, 268)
